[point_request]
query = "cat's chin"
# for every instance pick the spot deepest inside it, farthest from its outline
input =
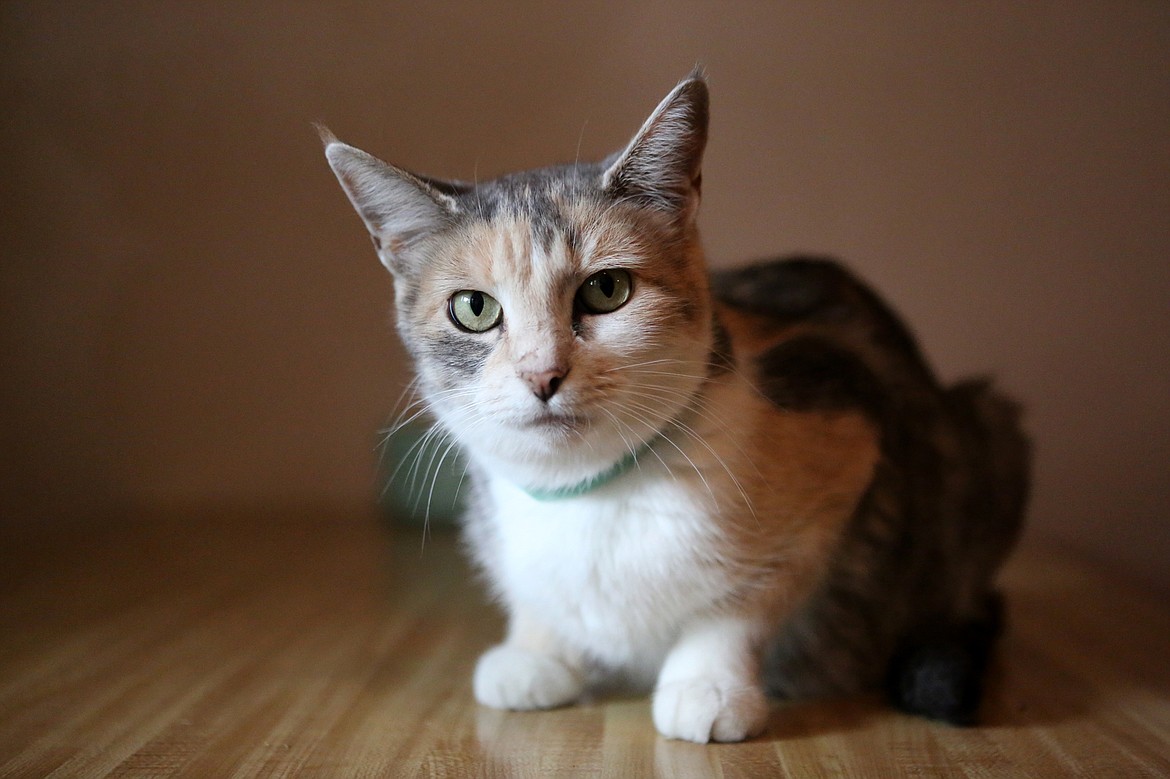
(551, 449)
(553, 423)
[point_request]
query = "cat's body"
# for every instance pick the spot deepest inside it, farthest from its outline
(701, 485)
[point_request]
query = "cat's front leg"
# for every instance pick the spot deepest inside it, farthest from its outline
(530, 670)
(709, 687)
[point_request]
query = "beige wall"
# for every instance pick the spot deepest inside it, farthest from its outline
(191, 314)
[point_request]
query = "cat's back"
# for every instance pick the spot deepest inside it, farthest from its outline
(950, 486)
(816, 338)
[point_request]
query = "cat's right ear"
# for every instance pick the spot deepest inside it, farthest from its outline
(661, 168)
(398, 208)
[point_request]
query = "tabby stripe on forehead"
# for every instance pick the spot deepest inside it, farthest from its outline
(549, 224)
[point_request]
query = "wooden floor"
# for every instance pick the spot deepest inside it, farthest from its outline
(218, 646)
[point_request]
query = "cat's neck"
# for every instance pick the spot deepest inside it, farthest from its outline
(577, 470)
(619, 469)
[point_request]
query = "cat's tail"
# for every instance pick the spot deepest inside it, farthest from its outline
(938, 670)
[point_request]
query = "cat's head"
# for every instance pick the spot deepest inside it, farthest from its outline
(559, 318)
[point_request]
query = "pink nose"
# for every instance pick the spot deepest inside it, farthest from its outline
(544, 384)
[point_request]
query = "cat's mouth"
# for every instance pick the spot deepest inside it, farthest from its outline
(551, 421)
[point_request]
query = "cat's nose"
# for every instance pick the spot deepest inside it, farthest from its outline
(544, 384)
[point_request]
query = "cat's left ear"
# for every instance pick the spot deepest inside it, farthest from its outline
(398, 208)
(662, 166)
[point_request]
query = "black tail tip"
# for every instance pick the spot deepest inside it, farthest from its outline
(939, 672)
(940, 680)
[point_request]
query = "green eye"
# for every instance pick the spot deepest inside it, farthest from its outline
(605, 291)
(474, 311)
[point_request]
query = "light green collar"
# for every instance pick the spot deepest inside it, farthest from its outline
(592, 483)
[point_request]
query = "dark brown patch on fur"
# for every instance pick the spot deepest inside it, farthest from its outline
(808, 373)
(816, 292)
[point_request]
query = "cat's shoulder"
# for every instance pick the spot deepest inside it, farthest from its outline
(815, 336)
(785, 289)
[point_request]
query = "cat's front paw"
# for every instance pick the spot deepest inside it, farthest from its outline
(703, 710)
(508, 677)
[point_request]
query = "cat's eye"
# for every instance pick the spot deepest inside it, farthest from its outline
(474, 311)
(605, 291)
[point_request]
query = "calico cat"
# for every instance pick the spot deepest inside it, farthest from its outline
(721, 486)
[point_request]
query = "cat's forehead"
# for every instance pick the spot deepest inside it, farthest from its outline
(528, 250)
(532, 226)
(543, 197)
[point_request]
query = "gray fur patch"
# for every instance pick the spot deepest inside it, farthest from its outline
(461, 355)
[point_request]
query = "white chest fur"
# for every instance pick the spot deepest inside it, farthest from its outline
(615, 573)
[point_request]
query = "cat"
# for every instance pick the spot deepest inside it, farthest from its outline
(721, 487)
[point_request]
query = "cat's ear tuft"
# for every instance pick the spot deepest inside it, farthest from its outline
(398, 208)
(661, 167)
(326, 135)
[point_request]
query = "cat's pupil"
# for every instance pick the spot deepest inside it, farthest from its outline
(476, 303)
(606, 283)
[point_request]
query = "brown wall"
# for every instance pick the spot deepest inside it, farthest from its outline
(192, 315)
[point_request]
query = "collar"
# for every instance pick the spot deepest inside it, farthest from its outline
(593, 482)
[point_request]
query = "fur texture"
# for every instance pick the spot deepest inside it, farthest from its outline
(764, 489)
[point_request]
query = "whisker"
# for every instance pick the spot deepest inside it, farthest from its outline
(410, 456)
(435, 473)
(619, 424)
(691, 433)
